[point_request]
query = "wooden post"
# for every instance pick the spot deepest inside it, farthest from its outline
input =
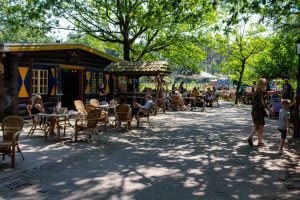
(158, 86)
(114, 86)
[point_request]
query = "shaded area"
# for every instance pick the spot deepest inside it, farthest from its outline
(187, 155)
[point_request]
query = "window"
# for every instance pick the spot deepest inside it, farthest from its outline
(93, 82)
(39, 81)
(100, 77)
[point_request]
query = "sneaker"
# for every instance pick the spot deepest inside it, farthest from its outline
(280, 151)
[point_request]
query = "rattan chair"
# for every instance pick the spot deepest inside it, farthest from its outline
(95, 103)
(37, 122)
(104, 113)
(177, 103)
(144, 114)
(81, 108)
(87, 125)
(123, 115)
(11, 128)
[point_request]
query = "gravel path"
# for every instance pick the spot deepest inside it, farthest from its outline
(186, 155)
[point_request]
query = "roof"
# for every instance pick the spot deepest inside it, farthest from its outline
(152, 68)
(18, 47)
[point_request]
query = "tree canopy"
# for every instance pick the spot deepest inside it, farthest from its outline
(184, 32)
(21, 21)
(139, 26)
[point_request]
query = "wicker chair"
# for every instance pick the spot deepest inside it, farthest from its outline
(83, 110)
(123, 115)
(88, 124)
(177, 103)
(104, 113)
(144, 114)
(95, 103)
(37, 124)
(11, 128)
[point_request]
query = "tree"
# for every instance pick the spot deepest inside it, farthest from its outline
(282, 14)
(22, 22)
(139, 26)
(240, 47)
(279, 59)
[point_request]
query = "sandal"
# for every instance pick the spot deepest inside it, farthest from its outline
(261, 145)
(250, 142)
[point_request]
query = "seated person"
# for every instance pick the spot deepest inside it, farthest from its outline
(121, 107)
(176, 93)
(177, 102)
(194, 92)
(181, 88)
(38, 107)
(145, 108)
(209, 97)
(102, 93)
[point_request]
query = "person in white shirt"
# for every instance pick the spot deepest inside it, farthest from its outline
(148, 105)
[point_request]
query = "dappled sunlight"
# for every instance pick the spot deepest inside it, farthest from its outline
(187, 155)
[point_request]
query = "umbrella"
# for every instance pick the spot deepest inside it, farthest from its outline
(202, 75)
(206, 75)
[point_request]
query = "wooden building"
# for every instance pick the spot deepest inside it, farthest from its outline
(59, 72)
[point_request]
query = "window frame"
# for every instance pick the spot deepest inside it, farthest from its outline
(40, 81)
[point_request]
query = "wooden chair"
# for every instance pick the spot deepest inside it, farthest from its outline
(11, 128)
(95, 103)
(83, 110)
(104, 113)
(88, 124)
(177, 102)
(144, 114)
(37, 124)
(123, 115)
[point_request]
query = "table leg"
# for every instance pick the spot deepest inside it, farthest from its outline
(58, 130)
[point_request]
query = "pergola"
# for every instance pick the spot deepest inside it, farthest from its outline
(135, 70)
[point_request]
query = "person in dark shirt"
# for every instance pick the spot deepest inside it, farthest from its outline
(102, 93)
(287, 90)
(174, 86)
(258, 112)
(181, 88)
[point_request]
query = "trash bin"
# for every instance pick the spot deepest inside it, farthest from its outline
(276, 104)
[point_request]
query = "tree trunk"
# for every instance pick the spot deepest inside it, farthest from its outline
(126, 43)
(126, 50)
(239, 83)
(9, 88)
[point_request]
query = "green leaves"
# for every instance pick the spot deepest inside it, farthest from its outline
(140, 26)
(23, 21)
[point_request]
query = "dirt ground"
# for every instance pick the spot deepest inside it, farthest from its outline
(185, 155)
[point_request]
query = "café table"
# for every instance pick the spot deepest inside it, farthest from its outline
(191, 101)
(60, 117)
(110, 110)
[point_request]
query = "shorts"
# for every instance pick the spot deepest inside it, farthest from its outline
(283, 133)
(258, 117)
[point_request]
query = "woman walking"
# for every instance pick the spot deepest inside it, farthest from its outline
(258, 112)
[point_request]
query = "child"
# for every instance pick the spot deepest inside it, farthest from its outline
(283, 123)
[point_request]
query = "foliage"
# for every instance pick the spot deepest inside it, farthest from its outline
(240, 47)
(139, 26)
(279, 60)
(22, 22)
(282, 14)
